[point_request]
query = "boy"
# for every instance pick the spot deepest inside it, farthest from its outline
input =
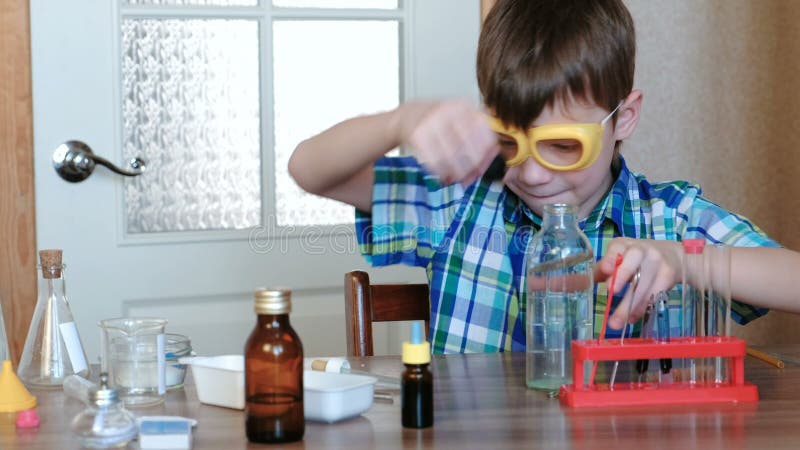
(560, 72)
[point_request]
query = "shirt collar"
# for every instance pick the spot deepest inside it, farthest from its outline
(514, 209)
(617, 203)
(613, 206)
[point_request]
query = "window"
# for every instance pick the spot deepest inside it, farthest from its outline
(216, 94)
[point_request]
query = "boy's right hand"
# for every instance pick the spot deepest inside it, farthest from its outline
(450, 138)
(657, 261)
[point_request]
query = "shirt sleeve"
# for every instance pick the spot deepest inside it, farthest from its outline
(704, 218)
(410, 215)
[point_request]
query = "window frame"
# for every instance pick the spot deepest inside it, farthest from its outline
(265, 14)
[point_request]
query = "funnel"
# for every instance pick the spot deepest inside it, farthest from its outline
(13, 394)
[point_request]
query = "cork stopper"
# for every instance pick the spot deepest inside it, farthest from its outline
(273, 301)
(51, 263)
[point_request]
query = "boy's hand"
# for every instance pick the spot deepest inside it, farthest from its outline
(450, 138)
(659, 266)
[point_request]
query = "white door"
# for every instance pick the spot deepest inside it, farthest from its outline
(214, 94)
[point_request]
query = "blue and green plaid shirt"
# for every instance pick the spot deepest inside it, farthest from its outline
(471, 241)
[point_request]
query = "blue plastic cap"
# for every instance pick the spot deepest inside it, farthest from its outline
(416, 333)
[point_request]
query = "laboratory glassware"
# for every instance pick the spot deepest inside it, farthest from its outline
(104, 423)
(53, 349)
(693, 303)
(560, 288)
(133, 355)
(273, 369)
(4, 353)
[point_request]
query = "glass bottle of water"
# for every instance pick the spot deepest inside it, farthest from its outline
(560, 287)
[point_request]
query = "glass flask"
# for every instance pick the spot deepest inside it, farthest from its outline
(53, 349)
(273, 372)
(134, 356)
(4, 353)
(105, 423)
(560, 289)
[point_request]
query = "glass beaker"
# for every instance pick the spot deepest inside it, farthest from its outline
(133, 356)
(53, 348)
(560, 287)
(177, 346)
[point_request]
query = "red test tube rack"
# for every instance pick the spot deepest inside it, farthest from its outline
(578, 394)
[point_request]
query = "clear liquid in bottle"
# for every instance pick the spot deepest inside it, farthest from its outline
(560, 293)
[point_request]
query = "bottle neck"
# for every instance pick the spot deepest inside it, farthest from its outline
(559, 216)
(54, 272)
(416, 366)
(273, 319)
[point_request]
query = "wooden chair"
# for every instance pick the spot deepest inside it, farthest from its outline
(365, 303)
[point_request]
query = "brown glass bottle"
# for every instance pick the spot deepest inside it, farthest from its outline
(274, 372)
(417, 396)
(416, 384)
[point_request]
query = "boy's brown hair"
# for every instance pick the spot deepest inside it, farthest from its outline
(532, 53)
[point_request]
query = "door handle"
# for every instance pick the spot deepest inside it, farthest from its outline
(74, 161)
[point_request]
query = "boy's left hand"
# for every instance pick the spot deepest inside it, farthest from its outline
(659, 267)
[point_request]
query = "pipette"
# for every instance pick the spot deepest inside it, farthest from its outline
(662, 331)
(609, 298)
(632, 290)
(647, 332)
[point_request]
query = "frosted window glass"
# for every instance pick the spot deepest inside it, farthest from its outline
(190, 108)
(366, 4)
(193, 2)
(325, 72)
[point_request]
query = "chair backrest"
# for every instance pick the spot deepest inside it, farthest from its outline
(365, 303)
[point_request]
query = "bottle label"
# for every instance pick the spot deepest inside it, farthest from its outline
(74, 348)
(162, 365)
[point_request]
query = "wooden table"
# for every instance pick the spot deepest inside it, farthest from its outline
(481, 402)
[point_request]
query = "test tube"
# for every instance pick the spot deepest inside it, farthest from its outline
(718, 269)
(693, 310)
(77, 387)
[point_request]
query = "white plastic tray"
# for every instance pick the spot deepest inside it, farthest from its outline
(328, 397)
(219, 379)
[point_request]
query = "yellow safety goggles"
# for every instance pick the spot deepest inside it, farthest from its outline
(561, 147)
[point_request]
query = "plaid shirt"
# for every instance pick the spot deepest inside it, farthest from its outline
(471, 241)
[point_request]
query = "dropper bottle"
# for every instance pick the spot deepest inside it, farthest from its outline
(416, 385)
